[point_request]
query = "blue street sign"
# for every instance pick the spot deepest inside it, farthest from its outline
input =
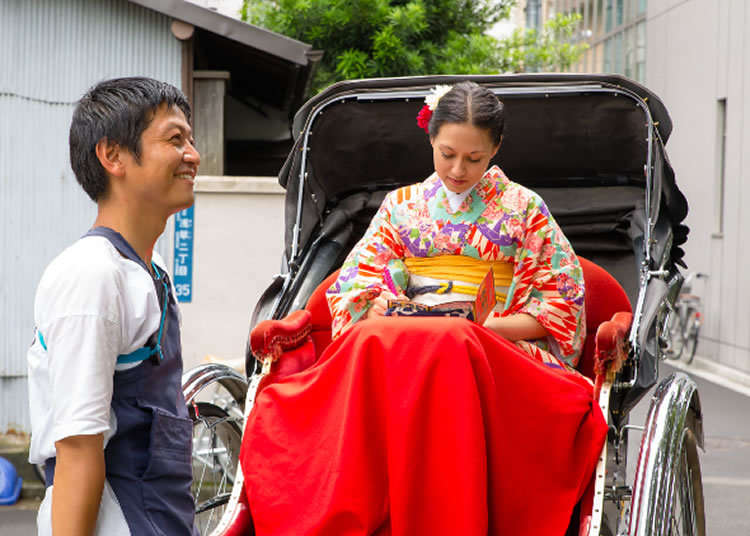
(184, 224)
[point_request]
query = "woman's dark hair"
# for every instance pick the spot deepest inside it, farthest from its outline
(118, 110)
(468, 102)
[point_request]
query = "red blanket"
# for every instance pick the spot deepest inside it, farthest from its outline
(417, 426)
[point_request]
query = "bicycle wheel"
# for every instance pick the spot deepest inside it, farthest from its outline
(676, 337)
(692, 330)
(687, 516)
(216, 446)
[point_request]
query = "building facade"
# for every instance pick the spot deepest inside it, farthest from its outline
(615, 31)
(694, 54)
(698, 62)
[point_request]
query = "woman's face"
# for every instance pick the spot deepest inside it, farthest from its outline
(462, 153)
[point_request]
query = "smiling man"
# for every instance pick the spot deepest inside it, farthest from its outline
(107, 412)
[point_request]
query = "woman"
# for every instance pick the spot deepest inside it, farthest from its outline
(438, 425)
(465, 210)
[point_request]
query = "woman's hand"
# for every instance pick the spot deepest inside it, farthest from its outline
(517, 327)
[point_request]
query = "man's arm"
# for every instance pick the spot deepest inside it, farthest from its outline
(79, 481)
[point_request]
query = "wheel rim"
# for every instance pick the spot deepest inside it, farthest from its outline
(216, 443)
(686, 512)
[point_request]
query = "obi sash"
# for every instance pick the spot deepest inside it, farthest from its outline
(463, 274)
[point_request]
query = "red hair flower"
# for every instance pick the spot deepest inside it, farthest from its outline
(431, 100)
(423, 118)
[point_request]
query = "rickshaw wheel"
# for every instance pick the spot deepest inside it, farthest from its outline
(667, 493)
(216, 444)
(687, 513)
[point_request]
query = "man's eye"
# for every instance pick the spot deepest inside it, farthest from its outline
(474, 161)
(446, 156)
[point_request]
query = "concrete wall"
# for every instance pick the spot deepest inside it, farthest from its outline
(239, 237)
(698, 53)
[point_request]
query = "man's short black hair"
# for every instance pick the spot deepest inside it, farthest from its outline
(118, 110)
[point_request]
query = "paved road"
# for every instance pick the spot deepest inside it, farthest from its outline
(725, 464)
(15, 521)
(726, 461)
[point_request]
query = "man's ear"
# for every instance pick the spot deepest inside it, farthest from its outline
(110, 157)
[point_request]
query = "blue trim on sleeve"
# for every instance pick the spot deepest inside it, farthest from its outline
(41, 339)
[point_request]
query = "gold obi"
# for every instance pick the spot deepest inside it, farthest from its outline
(461, 269)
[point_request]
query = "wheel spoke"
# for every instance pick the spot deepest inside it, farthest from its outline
(216, 435)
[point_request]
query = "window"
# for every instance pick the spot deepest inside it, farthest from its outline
(721, 149)
(533, 14)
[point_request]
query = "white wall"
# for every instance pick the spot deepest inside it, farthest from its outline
(239, 237)
(697, 54)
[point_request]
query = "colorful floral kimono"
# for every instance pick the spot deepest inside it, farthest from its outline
(499, 221)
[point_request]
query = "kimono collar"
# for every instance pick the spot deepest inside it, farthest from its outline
(456, 200)
(488, 180)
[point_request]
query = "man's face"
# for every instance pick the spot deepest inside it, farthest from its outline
(163, 179)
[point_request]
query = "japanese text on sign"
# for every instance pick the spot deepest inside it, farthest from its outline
(183, 254)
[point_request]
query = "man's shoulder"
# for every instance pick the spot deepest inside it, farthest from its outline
(87, 256)
(89, 266)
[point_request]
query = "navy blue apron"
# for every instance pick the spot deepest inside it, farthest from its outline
(148, 462)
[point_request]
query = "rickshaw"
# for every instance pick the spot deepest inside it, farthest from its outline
(593, 147)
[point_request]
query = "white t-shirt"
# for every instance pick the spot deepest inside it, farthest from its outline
(92, 304)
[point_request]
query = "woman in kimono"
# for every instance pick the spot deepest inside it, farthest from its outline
(436, 425)
(451, 228)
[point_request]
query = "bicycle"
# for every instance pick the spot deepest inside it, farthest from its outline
(684, 321)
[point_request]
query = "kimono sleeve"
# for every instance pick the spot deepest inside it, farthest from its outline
(365, 272)
(548, 282)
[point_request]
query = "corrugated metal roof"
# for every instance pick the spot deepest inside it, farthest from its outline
(51, 51)
(254, 36)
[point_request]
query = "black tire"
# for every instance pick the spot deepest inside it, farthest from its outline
(217, 437)
(687, 514)
(692, 330)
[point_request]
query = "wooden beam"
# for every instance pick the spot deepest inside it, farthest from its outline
(210, 90)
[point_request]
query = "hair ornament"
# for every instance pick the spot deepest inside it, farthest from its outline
(431, 103)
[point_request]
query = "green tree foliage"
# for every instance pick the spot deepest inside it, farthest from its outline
(369, 38)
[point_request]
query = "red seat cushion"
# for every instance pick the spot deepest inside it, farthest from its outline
(604, 297)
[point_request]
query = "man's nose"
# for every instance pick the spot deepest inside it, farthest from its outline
(192, 155)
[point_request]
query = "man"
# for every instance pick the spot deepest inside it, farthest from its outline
(107, 412)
